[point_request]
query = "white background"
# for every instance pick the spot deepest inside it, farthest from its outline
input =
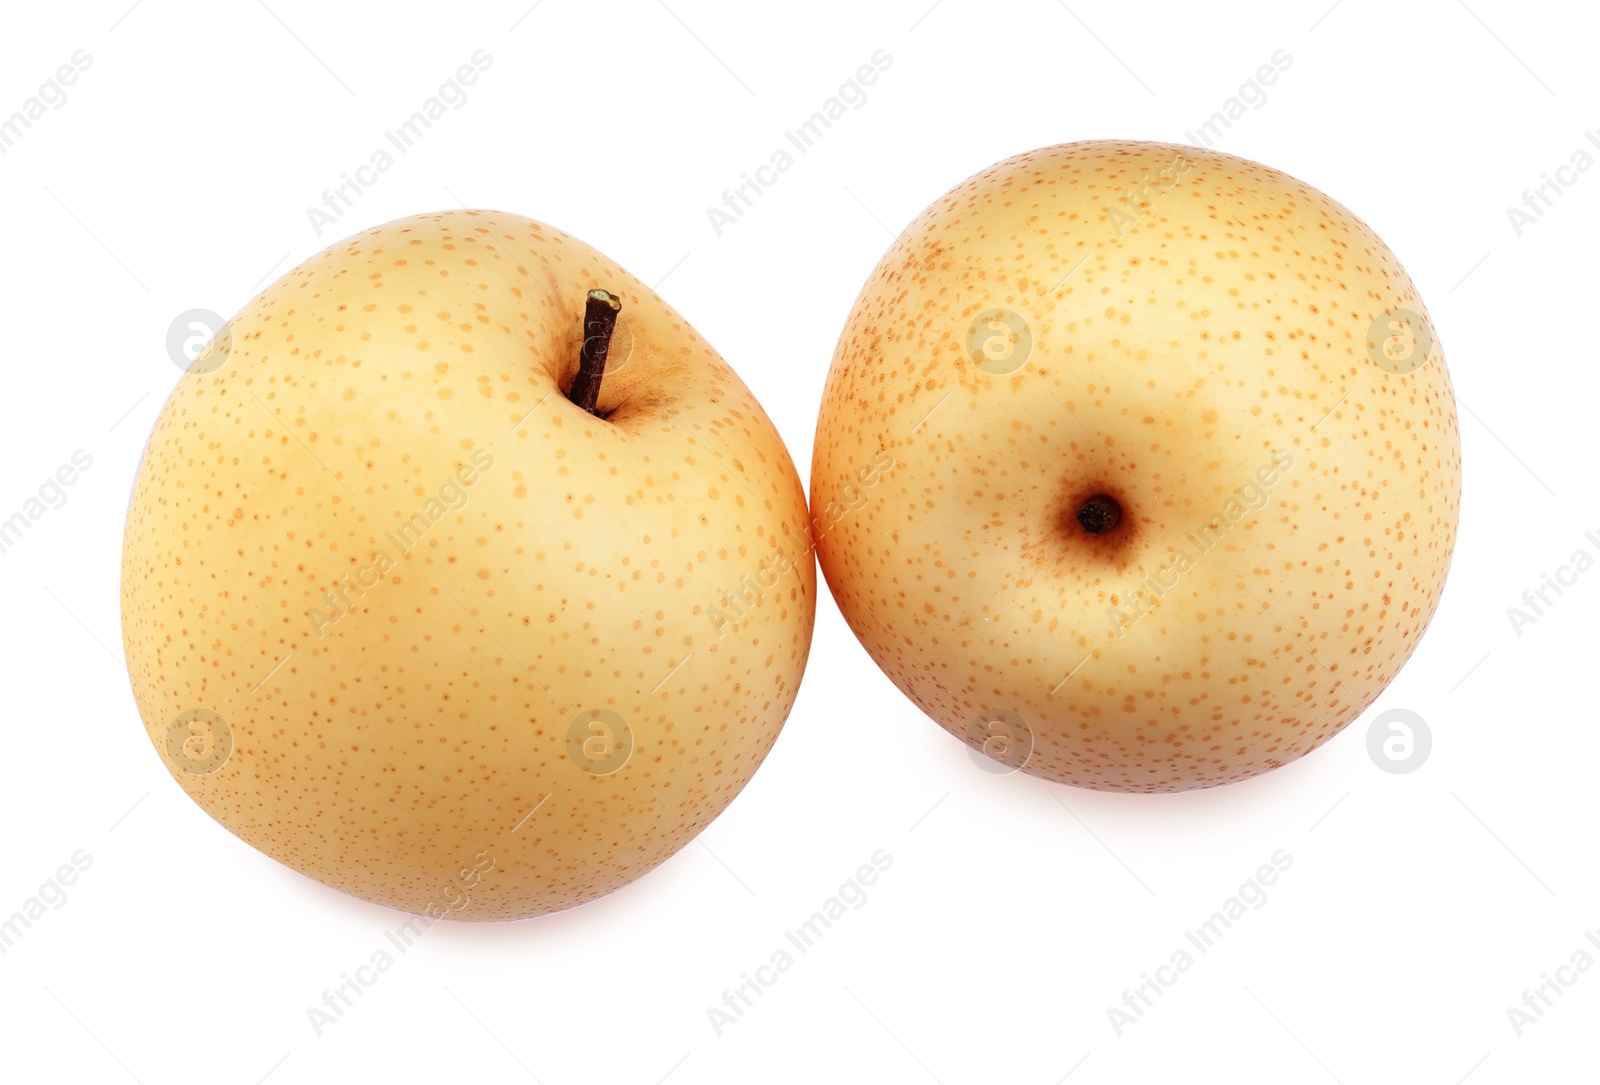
(1418, 908)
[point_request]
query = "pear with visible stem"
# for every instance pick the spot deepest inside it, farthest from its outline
(438, 587)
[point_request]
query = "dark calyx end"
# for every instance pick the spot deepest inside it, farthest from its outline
(1100, 514)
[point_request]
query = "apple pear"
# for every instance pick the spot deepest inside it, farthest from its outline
(459, 574)
(1176, 466)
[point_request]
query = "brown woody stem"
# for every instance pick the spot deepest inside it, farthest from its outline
(599, 320)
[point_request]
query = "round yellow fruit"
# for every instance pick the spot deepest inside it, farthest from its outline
(1175, 466)
(404, 617)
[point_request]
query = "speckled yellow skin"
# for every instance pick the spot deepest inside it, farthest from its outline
(414, 750)
(1183, 335)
